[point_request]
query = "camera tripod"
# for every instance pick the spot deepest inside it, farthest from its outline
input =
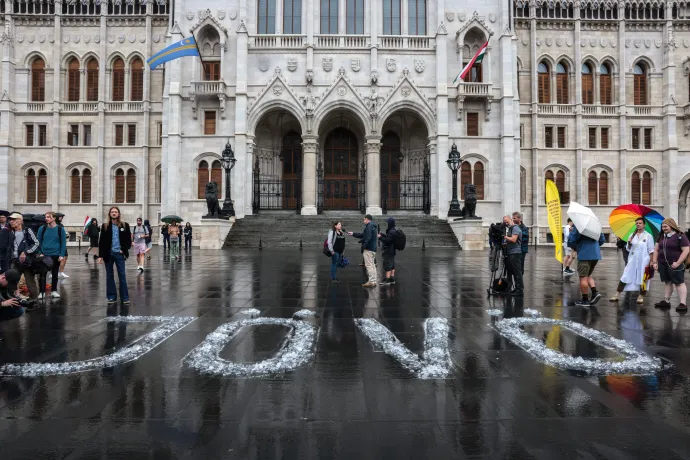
(498, 260)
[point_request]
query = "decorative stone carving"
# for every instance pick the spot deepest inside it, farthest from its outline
(603, 42)
(548, 41)
(525, 42)
(41, 38)
(613, 43)
(233, 14)
(374, 75)
(628, 42)
(51, 38)
(212, 203)
(647, 43)
(65, 39)
(638, 43)
(341, 91)
(462, 16)
(292, 64)
(538, 41)
(142, 38)
(309, 76)
(277, 90)
(568, 42)
(156, 38)
(450, 16)
(405, 91)
(221, 14)
(263, 64)
(203, 14)
(327, 64)
(492, 17)
(658, 43)
(132, 38)
(356, 64)
(76, 38)
(341, 71)
(20, 38)
(87, 39)
(96, 38)
(419, 65)
(121, 38)
(469, 210)
(31, 38)
(559, 42)
(686, 42)
(190, 15)
(593, 42)
(391, 65)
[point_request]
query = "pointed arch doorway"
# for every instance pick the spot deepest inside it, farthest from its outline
(341, 182)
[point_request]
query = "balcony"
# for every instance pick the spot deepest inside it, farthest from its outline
(556, 109)
(416, 42)
(644, 111)
(278, 41)
(79, 107)
(119, 107)
(342, 41)
(474, 90)
(33, 107)
(594, 110)
(215, 88)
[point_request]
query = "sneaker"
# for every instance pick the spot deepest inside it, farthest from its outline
(41, 296)
(640, 299)
(583, 303)
(112, 301)
(55, 295)
(369, 284)
(31, 305)
(63, 275)
(615, 298)
(662, 304)
(595, 299)
(335, 281)
(386, 281)
(682, 308)
(126, 302)
(392, 280)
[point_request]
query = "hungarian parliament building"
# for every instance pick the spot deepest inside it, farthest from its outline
(344, 105)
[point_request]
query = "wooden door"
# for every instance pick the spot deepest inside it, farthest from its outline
(340, 170)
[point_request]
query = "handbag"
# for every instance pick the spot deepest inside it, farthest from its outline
(343, 262)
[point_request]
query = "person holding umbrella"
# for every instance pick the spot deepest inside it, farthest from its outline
(586, 239)
(641, 248)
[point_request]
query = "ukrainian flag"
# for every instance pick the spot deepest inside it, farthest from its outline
(185, 47)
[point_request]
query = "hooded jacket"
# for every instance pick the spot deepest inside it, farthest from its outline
(586, 248)
(388, 239)
(368, 236)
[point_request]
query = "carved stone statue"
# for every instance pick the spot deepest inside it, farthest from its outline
(212, 200)
(468, 211)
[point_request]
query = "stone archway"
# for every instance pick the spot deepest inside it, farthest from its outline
(684, 204)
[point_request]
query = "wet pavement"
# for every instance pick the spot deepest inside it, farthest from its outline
(351, 398)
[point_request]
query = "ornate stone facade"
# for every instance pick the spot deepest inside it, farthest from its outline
(344, 120)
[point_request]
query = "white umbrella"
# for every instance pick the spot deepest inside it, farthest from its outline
(584, 220)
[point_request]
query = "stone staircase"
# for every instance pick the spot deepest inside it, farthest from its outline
(286, 230)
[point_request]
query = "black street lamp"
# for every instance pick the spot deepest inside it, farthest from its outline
(228, 161)
(453, 163)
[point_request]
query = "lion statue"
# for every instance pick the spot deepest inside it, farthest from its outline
(212, 200)
(468, 211)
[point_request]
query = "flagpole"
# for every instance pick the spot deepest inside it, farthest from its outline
(198, 51)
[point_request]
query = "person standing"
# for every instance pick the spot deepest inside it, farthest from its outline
(670, 254)
(188, 237)
(568, 261)
(641, 247)
(9, 303)
(368, 237)
(140, 233)
(53, 244)
(3, 221)
(93, 232)
(513, 243)
(524, 238)
(113, 249)
(63, 262)
(149, 239)
(4, 243)
(623, 246)
(336, 244)
(388, 251)
(166, 237)
(174, 236)
(23, 245)
(588, 255)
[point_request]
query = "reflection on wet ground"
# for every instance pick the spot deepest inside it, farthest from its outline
(352, 400)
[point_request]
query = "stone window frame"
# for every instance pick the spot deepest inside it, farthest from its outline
(598, 169)
(642, 137)
(554, 168)
(209, 158)
(158, 184)
(555, 136)
(69, 171)
(36, 167)
(473, 159)
(125, 166)
(641, 170)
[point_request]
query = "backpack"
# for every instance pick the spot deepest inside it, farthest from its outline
(400, 239)
(326, 251)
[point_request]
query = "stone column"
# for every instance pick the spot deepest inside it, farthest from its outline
(310, 150)
(670, 174)
(373, 161)
(577, 71)
(441, 180)
(536, 133)
(622, 109)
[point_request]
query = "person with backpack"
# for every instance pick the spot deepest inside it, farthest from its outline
(53, 244)
(368, 239)
(23, 246)
(336, 247)
(588, 254)
(166, 237)
(388, 241)
(670, 257)
(113, 248)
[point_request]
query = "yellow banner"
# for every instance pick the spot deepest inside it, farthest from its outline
(553, 210)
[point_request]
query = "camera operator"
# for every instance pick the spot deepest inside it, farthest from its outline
(513, 242)
(10, 305)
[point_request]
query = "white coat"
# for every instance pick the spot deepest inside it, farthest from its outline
(641, 247)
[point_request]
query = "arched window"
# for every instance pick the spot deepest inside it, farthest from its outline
(75, 192)
(523, 185)
(635, 188)
(560, 183)
(472, 174)
(92, 80)
(604, 188)
(561, 84)
(587, 84)
(416, 13)
(391, 17)
(640, 85)
(38, 80)
(266, 17)
(217, 177)
(80, 186)
(73, 80)
(118, 80)
(605, 91)
(329, 16)
(647, 188)
(641, 187)
(125, 186)
(592, 187)
(202, 178)
(120, 184)
(559, 179)
(544, 83)
(131, 186)
(31, 186)
(137, 82)
(36, 186)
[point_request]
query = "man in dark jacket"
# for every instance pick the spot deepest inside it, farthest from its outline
(368, 237)
(113, 248)
(4, 246)
(524, 239)
(23, 246)
(388, 251)
(166, 237)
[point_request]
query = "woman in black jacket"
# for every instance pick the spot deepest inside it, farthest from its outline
(93, 232)
(113, 248)
(187, 236)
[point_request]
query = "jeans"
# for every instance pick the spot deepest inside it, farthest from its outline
(335, 260)
(369, 258)
(175, 248)
(54, 272)
(8, 313)
(110, 290)
(522, 261)
(166, 241)
(515, 271)
(188, 242)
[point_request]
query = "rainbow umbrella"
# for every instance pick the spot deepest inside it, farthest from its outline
(622, 220)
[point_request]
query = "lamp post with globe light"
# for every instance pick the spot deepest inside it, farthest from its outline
(453, 163)
(228, 160)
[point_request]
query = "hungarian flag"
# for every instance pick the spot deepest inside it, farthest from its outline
(477, 58)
